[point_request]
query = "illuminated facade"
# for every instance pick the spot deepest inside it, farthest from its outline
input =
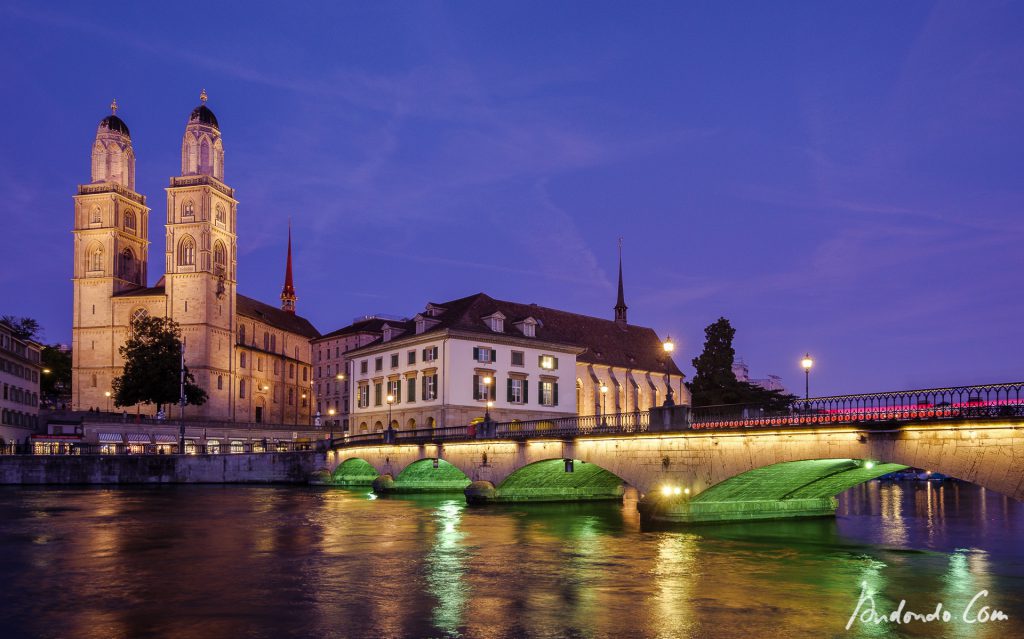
(253, 359)
(20, 371)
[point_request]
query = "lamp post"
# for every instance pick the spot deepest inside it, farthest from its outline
(807, 363)
(330, 415)
(107, 394)
(487, 399)
(390, 400)
(604, 404)
(669, 347)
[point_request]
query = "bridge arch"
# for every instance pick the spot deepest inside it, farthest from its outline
(559, 479)
(428, 475)
(354, 471)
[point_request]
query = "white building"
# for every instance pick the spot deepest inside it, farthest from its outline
(20, 369)
(540, 363)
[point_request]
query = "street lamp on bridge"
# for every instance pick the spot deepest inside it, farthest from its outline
(487, 399)
(668, 346)
(107, 394)
(604, 404)
(807, 363)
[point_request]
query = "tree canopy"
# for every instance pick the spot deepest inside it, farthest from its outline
(152, 366)
(23, 327)
(715, 382)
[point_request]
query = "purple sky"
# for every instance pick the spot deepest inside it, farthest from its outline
(839, 178)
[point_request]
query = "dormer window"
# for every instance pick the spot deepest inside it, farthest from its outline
(387, 333)
(496, 322)
(421, 325)
(434, 311)
(528, 327)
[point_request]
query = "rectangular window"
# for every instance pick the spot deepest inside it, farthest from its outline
(411, 390)
(429, 354)
(363, 399)
(291, 371)
(378, 364)
(429, 387)
(378, 394)
(518, 358)
(484, 355)
(395, 390)
(482, 391)
(241, 360)
(411, 357)
(548, 392)
(364, 366)
(548, 362)
(515, 390)
(394, 360)
(305, 374)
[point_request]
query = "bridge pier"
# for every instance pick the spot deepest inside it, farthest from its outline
(684, 511)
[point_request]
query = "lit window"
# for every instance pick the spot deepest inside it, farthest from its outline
(548, 362)
(187, 252)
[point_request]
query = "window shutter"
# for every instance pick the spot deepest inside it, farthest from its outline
(556, 394)
(398, 391)
(434, 395)
(509, 390)
(556, 363)
(540, 361)
(526, 391)
(540, 392)
(476, 354)
(494, 355)
(476, 387)
(433, 352)
(494, 390)
(425, 353)
(425, 398)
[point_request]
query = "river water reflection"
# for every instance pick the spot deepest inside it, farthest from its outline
(240, 561)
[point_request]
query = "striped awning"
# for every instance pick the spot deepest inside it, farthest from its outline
(137, 438)
(111, 438)
(161, 438)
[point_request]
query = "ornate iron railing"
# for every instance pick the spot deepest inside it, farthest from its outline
(984, 401)
(987, 401)
(556, 428)
(64, 448)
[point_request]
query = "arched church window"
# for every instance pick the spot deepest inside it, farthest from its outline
(97, 216)
(220, 258)
(128, 268)
(204, 156)
(187, 252)
(189, 210)
(138, 314)
(241, 388)
(96, 258)
(273, 346)
(241, 334)
(266, 341)
(220, 217)
(129, 221)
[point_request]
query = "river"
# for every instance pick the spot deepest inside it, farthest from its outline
(270, 561)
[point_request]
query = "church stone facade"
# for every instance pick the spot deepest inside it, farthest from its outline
(253, 359)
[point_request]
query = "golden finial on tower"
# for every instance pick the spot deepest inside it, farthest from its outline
(202, 96)
(113, 106)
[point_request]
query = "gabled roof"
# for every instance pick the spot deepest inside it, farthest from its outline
(606, 342)
(372, 325)
(143, 292)
(254, 309)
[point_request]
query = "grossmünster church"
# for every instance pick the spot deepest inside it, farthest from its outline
(253, 359)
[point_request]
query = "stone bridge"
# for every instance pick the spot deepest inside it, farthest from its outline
(695, 475)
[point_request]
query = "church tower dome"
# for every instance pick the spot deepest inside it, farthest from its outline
(202, 152)
(113, 159)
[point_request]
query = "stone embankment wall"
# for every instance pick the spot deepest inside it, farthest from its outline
(248, 468)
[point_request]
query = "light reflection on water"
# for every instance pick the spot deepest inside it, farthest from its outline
(223, 561)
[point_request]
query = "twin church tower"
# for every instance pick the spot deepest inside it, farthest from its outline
(252, 359)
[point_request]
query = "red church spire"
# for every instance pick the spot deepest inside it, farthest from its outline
(288, 292)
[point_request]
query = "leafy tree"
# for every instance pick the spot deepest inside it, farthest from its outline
(23, 327)
(152, 366)
(57, 382)
(715, 383)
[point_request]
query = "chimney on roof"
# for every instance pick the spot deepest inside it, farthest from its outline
(288, 292)
(620, 304)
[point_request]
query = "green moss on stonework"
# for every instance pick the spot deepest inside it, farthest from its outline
(354, 472)
(549, 481)
(421, 476)
(810, 479)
